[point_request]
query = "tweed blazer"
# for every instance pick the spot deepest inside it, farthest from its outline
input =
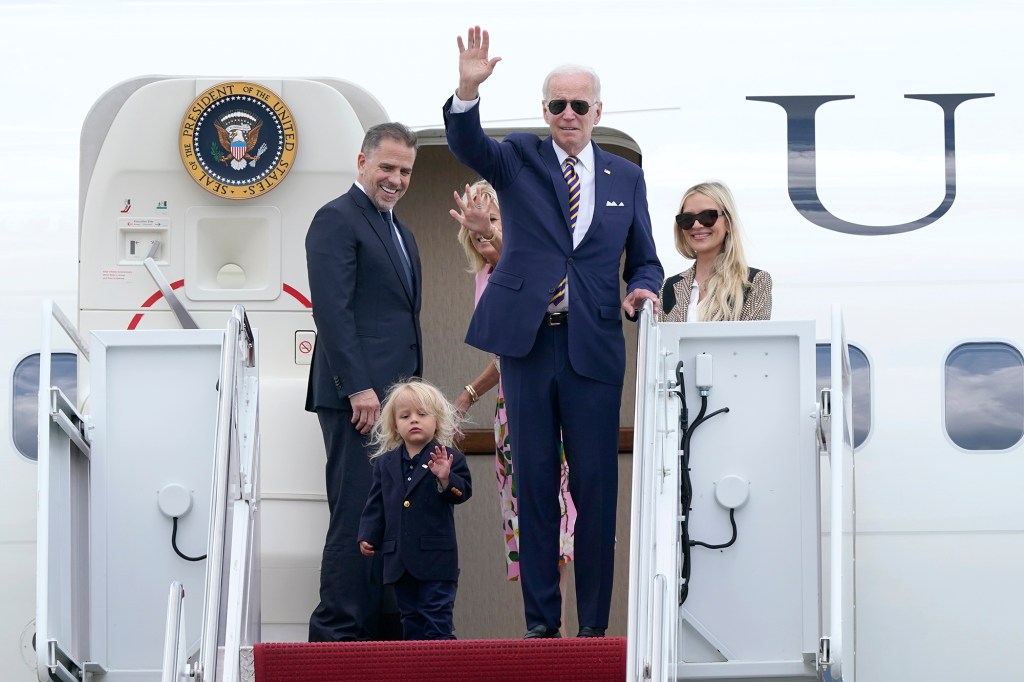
(675, 296)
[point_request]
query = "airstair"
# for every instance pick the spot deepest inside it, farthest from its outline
(733, 574)
(149, 520)
(150, 496)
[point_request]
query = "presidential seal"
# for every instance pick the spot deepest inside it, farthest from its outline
(238, 140)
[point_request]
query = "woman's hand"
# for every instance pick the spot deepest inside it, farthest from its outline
(475, 214)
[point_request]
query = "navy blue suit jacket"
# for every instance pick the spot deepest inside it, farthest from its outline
(414, 528)
(368, 330)
(537, 247)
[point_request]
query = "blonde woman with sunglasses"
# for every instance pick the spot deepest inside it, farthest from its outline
(719, 285)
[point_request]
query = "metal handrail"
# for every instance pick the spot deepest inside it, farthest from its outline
(639, 587)
(57, 657)
(841, 439)
(238, 347)
(181, 313)
(70, 330)
(173, 644)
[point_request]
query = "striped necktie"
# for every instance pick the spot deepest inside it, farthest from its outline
(573, 181)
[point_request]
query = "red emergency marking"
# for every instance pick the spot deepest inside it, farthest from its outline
(297, 295)
(287, 288)
(150, 301)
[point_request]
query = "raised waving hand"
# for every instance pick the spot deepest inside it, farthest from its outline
(475, 66)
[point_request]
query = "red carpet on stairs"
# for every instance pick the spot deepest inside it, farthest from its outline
(464, 660)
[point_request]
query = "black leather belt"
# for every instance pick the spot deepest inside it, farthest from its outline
(557, 319)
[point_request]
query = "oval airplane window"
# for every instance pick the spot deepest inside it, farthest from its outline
(984, 396)
(860, 381)
(25, 397)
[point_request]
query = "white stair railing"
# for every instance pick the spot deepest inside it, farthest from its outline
(175, 666)
(231, 596)
(62, 550)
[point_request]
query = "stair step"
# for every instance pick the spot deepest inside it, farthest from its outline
(471, 660)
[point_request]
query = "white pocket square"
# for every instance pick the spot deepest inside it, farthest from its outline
(612, 203)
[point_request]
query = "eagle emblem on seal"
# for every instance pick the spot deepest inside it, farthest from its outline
(238, 133)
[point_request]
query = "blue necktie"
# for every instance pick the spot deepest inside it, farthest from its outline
(402, 255)
(573, 181)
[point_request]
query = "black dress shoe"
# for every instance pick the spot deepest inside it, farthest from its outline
(586, 631)
(542, 632)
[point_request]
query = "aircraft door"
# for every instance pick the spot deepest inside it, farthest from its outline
(219, 180)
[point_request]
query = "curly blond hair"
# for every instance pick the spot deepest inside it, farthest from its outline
(384, 436)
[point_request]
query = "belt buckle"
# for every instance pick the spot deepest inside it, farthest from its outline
(556, 319)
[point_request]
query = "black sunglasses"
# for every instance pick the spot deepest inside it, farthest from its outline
(580, 106)
(706, 218)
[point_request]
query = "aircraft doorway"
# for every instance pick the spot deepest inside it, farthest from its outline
(490, 605)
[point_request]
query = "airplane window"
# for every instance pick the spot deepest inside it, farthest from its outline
(25, 397)
(984, 396)
(860, 382)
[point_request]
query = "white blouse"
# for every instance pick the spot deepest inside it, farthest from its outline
(691, 311)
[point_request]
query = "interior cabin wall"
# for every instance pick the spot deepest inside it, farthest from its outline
(488, 605)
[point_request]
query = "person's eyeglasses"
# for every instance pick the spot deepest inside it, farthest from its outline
(706, 218)
(580, 106)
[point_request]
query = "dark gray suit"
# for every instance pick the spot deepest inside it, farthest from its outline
(368, 337)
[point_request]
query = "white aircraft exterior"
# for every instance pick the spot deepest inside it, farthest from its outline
(876, 154)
